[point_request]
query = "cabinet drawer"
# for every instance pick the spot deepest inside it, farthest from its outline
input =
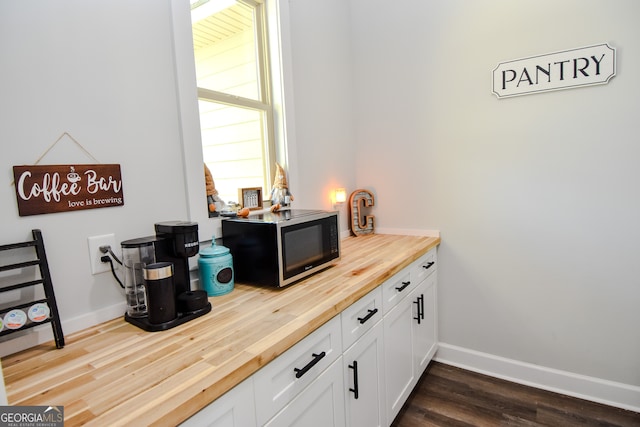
(424, 266)
(285, 377)
(320, 405)
(396, 288)
(361, 316)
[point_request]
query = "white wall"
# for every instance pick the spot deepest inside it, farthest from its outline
(102, 71)
(535, 197)
(323, 89)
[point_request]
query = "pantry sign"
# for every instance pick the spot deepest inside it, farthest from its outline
(586, 66)
(62, 188)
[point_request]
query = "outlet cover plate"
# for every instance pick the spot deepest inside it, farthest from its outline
(95, 242)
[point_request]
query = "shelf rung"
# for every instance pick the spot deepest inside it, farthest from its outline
(25, 305)
(27, 326)
(21, 285)
(19, 265)
(17, 245)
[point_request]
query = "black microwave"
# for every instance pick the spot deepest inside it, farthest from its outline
(279, 248)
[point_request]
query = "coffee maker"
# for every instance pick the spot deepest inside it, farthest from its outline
(157, 280)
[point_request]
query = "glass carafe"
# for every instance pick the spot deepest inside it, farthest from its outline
(136, 254)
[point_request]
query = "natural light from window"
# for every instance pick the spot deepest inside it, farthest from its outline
(234, 96)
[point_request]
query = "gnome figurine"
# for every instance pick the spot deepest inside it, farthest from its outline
(214, 202)
(280, 196)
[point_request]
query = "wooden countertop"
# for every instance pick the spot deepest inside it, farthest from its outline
(117, 374)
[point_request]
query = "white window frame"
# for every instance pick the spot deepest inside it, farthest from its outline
(280, 71)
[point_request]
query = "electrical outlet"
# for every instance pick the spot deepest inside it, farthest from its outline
(95, 254)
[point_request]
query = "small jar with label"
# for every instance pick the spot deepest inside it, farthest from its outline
(215, 269)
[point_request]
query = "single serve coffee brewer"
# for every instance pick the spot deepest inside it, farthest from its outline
(156, 277)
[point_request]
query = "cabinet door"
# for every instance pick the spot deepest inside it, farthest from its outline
(321, 404)
(364, 380)
(398, 355)
(424, 323)
(233, 409)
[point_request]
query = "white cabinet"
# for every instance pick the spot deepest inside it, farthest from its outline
(410, 333)
(396, 288)
(363, 366)
(424, 266)
(233, 409)
(284, 380)
(357, 370)
(398, 356)
(425, 332)
(363, 361)
(360, 317)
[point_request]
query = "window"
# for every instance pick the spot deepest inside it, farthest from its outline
(281, 80)
(235, 103)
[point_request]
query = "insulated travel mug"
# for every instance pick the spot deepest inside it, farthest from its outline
(161, 300)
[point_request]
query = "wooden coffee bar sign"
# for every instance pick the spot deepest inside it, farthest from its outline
(62, 188)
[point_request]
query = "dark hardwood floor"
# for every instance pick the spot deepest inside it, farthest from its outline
(453, 397)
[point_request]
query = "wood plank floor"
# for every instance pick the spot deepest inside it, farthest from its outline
(453, 397)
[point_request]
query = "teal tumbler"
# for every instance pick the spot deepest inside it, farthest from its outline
(215, 269)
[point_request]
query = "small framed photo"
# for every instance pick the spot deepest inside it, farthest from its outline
(251, 198)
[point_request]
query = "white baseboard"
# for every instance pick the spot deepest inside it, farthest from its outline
(42, 334)
(610, 393)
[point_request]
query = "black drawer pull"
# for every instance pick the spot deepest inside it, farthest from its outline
(355, 379)
(428, 266)
(316, 359)
(368, 316)
(404, 285)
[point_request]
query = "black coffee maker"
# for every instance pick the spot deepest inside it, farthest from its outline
(157, 280)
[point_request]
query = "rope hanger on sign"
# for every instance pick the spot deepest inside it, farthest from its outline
(54, 144)
(58, 140)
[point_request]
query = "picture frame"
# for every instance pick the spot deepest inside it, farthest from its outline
(250, 198)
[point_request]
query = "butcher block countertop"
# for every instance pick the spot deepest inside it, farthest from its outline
(117, 374)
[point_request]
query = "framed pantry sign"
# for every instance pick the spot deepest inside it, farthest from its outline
(586, 66)
(63, 188)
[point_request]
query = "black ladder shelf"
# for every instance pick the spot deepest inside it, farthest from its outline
(45, 280)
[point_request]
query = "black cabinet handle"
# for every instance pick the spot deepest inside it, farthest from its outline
(404, 285)
(419, 302)
(355, 379)
(316, 359)
(368, 316)
(428, 266)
